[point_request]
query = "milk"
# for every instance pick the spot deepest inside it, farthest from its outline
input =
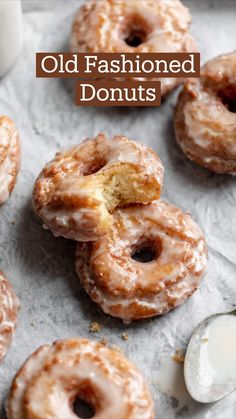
(170, 380)
(220, 347)
(210, 362)
(10, 33)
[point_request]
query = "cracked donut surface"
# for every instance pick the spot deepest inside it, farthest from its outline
(9, 157)
(54, 376)
(9, 306)
(77, 192)
(134, 26)
(129, 289)
(205, 116)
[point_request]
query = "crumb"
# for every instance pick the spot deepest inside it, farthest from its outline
(95, 327)
(125, 336)
(32, 324)
(104, 341)
(178, 356)
(204, 340)
(116, 348)
(13, 222)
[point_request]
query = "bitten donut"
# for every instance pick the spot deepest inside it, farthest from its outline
(77, 191)
(54, 376)
(9, 157)
(205, 118)
(129, 289)
(9, 306)
(134, 26)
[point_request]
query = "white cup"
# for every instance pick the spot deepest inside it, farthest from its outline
(11, 36)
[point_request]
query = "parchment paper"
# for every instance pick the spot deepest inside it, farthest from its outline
(41, 267)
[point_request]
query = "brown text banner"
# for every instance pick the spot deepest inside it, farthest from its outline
(118, 93)
(114, 65)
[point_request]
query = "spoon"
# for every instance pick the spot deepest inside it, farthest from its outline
(210, 360)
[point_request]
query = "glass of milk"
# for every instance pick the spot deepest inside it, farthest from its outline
(10, 33)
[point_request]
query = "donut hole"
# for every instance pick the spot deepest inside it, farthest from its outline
(228, 97)
(136, 31)
(135, 38)
(82, 408)
(146, 251)
(230, 104)
(87, 401)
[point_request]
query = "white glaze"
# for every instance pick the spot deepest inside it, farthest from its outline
(210, 363)
(9, 306)
(52, 378)
(100, 26)
(118, 283)
(205, 127)
(62, 179)
(170, 381)
(9, 157)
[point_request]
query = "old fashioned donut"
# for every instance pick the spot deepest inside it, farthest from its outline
(54, 376)
(133, 26)
(76, 192)
(9, 157)
(127, 288)
(9, 306)
(205, 118)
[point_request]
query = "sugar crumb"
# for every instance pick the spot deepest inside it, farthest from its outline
(178, 356)
(125, 336)
(95, 327)
(116, 348)
(104, 341)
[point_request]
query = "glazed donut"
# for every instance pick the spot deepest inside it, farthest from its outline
(205, 119)
(54, 376)
(76, 192)
(9, 157)
(129, 289)
(9, 306)
(134, 26)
